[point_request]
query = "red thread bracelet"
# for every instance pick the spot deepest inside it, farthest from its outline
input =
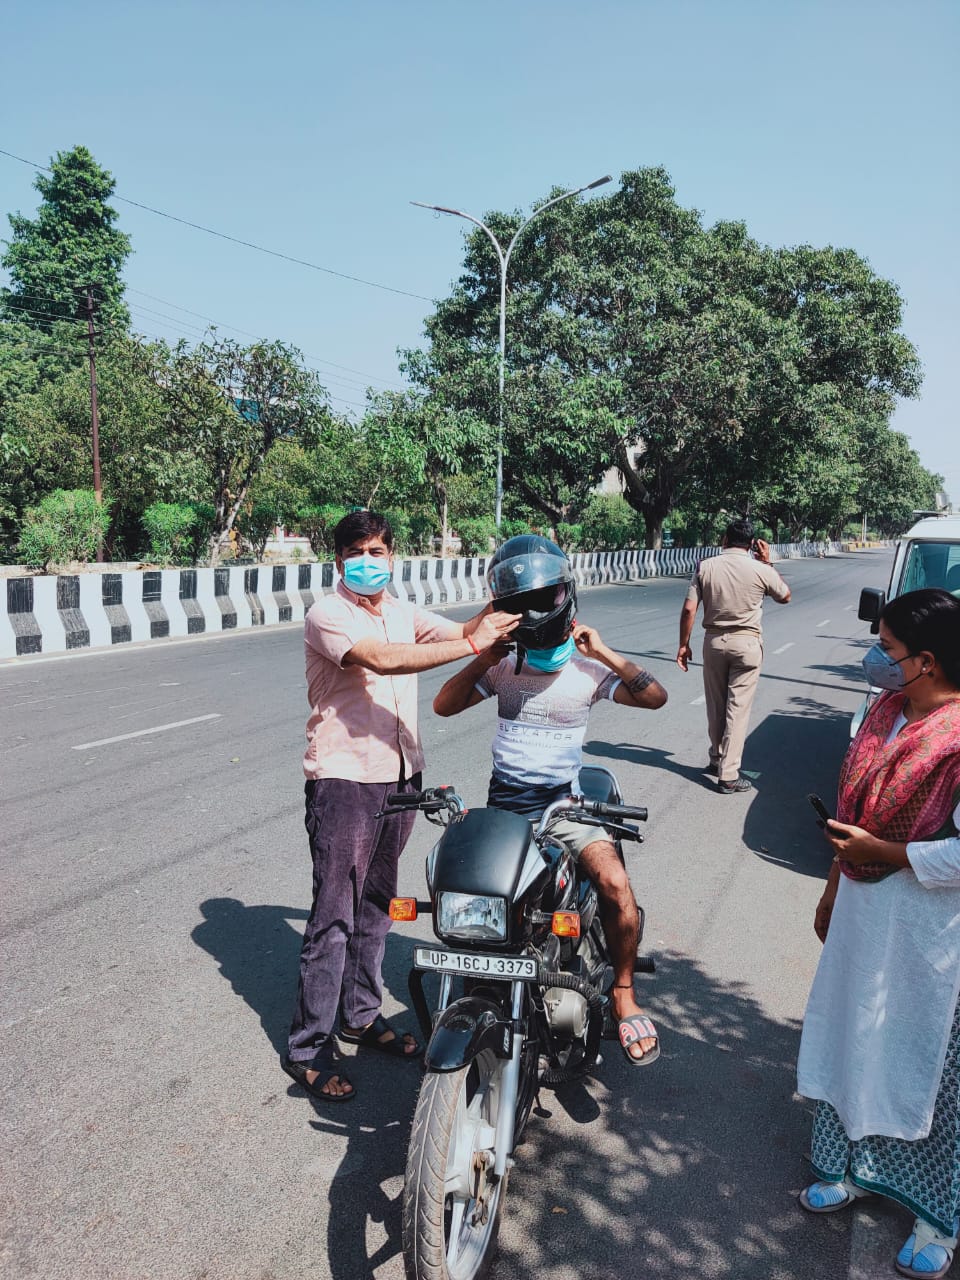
(469, 640)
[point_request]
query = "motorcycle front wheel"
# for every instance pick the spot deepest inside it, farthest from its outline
(451, 1201)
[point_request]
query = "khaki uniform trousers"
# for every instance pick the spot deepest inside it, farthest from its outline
(731, 671)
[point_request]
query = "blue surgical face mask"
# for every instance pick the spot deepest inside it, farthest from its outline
(366, 575)
(551, 659)
(885, 672)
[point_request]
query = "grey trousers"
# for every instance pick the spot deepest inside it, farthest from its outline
(731, 671)
(355, 856)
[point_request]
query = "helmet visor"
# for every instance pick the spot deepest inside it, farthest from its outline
(540, 604)
(528, 573)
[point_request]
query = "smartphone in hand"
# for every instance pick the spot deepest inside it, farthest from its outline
(824, 814)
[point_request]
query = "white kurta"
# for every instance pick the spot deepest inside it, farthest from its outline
(883, 1000)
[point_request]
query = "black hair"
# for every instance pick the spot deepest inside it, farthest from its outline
(928, 620)
(739, 533)
(358, 526)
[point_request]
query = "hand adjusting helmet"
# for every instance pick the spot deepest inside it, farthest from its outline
(531, 576)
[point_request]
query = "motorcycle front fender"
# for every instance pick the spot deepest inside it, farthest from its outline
(464, 1030)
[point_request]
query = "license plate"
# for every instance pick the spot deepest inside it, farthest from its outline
(522, 967)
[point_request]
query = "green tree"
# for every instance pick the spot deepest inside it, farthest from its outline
(428, 440)
(49, 427)
(229, 404)
(892, 483)
(72, 243)
(695, 359)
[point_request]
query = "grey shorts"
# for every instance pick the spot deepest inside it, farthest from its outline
(575, 836)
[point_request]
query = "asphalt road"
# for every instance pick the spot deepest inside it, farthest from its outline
(154, 886)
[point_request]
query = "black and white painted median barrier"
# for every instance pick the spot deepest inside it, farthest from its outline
(54, 613)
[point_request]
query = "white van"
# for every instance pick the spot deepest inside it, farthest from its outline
(928, 555)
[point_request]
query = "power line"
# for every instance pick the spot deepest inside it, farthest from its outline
(347, 383)
(40, 315)
(43, 350)
(468, 305)
(41, 346)
(220, 324)
(247, 244)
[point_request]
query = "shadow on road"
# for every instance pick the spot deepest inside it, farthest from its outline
(258, 952)
(690, 1169)
(651, 757)
(799, 751)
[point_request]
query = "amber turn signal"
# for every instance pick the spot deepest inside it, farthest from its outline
(566, 924)
(406, 909)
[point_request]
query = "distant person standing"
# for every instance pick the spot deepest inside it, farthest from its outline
(731, 587)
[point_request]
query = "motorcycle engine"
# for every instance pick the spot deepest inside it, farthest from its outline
(567, 1012)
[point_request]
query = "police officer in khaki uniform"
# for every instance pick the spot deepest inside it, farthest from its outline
(731, 587)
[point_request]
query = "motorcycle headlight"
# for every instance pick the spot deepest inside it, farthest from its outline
(469, 915)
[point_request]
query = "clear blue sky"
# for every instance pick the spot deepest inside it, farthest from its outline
(308, 127)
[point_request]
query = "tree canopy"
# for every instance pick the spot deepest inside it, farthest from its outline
(711, 373)
(71, 245)
(692, 358)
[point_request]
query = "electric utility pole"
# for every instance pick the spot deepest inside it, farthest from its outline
(94, 410)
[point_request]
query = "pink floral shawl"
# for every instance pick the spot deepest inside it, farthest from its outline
(904, 790)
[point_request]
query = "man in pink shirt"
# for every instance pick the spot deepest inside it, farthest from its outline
(363, 650)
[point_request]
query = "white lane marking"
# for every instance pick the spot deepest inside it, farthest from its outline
(849, 608)
(823, 623)
(697, 702)
(169, 684)
(140, 733)
(784, 647)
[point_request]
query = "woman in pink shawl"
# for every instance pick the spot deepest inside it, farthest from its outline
(880, 1050)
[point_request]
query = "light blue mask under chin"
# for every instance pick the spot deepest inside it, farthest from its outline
(551, 659)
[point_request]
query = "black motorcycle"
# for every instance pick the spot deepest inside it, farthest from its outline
(519, 934)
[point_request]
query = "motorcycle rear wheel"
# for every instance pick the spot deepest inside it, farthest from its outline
(451, 1204)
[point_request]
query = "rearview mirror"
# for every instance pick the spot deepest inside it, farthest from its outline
(872, 600)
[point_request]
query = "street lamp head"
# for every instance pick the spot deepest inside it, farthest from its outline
(439, 208)
(599, 183)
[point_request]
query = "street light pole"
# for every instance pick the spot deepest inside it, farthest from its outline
(504, 259)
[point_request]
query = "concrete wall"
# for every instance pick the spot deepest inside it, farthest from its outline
(51, 614)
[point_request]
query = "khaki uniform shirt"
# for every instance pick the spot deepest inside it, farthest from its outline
(731, 587)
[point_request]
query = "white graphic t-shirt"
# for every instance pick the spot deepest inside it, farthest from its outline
(543, 718)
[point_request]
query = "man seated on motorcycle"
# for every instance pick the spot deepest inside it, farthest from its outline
(544, 696)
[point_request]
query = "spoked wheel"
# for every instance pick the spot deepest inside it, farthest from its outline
(451, 1201)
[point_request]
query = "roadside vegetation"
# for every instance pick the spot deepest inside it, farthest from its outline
(708, 372)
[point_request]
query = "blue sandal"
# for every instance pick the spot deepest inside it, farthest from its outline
(926, 1252)
(829, 1197)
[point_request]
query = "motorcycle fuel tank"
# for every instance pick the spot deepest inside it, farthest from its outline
(483, 852)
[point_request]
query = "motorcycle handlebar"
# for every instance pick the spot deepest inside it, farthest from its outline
(618, 811)
(435, 799)
(406, 799)
(431, 801)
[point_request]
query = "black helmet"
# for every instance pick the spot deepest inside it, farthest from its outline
(530, 575)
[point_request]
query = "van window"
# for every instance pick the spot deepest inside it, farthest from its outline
(932, 564)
